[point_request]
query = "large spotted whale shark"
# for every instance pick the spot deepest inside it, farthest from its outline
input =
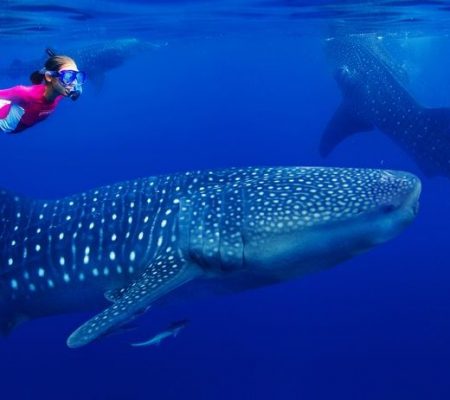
(374, 96)
(124, 246)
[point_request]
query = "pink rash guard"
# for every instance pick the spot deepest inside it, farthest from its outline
(23, 106)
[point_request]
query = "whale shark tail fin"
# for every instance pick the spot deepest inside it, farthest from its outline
(344, 123)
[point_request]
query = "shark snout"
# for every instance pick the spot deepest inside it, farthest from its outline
(398, 207)
(406, 188)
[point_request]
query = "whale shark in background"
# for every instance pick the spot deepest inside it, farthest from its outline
(374, 96)
(124, 246)
(96, 58)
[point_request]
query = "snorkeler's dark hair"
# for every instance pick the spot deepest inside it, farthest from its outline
(53, 63)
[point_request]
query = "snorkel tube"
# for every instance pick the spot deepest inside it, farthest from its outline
(75, 93)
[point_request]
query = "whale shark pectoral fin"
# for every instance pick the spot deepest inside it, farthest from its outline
(344, 123)
(163, 275)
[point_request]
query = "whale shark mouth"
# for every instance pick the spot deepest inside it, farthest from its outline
(410, 203)
(413, 202)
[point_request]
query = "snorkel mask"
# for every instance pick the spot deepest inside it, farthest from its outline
(68, 77)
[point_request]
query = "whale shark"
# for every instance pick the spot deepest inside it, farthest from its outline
(122, 247)
(96, 58)
(375, 96)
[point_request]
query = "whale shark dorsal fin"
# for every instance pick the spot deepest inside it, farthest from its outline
(342, 124)
(164, 274)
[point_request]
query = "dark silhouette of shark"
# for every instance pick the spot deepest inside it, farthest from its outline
(96, 59)
(374, 97)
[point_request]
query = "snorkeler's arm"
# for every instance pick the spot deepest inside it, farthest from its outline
(15, 94)
(8, 97)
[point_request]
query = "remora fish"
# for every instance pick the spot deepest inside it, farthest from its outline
(173, 330)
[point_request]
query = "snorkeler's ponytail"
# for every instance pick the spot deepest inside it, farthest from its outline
(37, 77)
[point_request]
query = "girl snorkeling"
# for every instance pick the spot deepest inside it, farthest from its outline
(23, 106)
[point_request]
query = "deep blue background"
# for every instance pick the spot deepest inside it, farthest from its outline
(376, 327)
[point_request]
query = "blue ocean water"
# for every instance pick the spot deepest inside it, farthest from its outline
(223, 84)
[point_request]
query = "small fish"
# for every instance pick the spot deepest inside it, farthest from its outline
(173, 330)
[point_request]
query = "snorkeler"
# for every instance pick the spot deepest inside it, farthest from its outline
(23, 106)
